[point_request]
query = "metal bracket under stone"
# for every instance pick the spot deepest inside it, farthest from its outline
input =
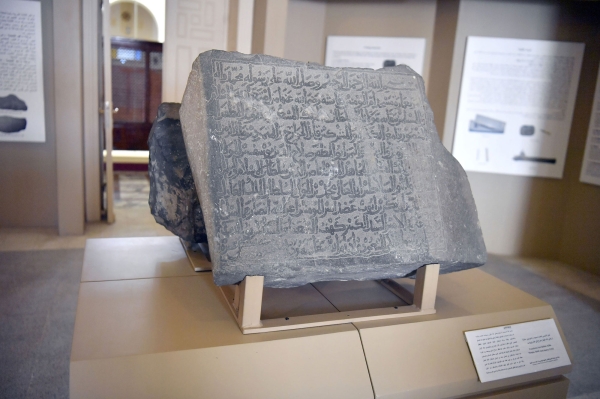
(245, 302)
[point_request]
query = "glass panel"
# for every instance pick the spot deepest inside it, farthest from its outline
(129, 84)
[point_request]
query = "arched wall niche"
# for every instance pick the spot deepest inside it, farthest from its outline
(138, 19)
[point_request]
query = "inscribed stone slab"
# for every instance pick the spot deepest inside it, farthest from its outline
(308, 173)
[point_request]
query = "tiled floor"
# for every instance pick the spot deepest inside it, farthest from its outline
(131, 190)
(566, 276)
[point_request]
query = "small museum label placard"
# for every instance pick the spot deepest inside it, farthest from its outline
(517, 349)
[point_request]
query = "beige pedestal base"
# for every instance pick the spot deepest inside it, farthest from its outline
(148, 328)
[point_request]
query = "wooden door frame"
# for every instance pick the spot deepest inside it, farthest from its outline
(92, 142)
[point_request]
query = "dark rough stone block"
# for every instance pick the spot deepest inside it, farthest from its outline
(173, 198)
(308, 173)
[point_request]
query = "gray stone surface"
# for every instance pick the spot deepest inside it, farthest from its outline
(308, 173)
(173, 198)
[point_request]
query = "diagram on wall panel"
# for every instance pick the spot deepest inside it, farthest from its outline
(590, 170)
(21, 72)
(516, 105)
(375, 52)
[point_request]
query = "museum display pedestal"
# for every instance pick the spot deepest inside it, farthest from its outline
(148, 326)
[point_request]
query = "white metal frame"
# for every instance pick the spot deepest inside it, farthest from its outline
(245, 302)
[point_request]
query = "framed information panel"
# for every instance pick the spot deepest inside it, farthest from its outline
(590, 170)
(516, 105)
(21, 72)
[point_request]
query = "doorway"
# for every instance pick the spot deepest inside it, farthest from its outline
(136, 32)
(137, 77)
(136, 90)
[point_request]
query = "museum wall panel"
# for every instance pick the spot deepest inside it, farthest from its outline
(28, 178)
(191, 28)
(270, 20)
(549, 218)
(442, 49)
(410, 18)
(232, 25)
(68, 109)
(518, 215)
(580, 21)
(309, 22)
(258, 26)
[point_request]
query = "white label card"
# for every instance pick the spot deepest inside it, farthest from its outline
(375, 52)
(509, 351)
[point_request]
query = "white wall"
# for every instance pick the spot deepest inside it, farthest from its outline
(309, 22)
(408, 18)
(28, 193)
(305, 31)
(192, 27)
(42, 183)
(68, 99)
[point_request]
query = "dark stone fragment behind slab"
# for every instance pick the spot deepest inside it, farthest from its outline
(308, 173)
(173, 198)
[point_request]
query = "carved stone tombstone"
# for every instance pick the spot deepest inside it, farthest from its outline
(308, 173)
